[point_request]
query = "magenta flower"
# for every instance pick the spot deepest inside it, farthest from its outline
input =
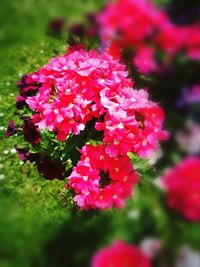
(100, 181)
(182, 186)
(144, 60)
(11, 129)
(120, 254)
(25, 155)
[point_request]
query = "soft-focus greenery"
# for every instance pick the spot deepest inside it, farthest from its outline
(36, 228)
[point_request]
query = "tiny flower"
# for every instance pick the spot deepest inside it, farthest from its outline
(55, 26)
(25, 155)
(144, 60)
(11, 130)
(51, 169)
(27, 86)
(20, 101)
(31, 133)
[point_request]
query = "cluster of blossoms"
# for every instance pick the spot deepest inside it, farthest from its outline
(70, 93)
(143, 29)
(101, 181)
(182, 186)
(81, 87)
(132, 122)
(121, 254)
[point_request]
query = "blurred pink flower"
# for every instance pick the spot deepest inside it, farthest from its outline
(133, 25)
(120, 254)
(144, 60)
(182, 186)
(193, 42)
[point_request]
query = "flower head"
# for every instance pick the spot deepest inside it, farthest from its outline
(182, 186)
(31, 133)
(27, 87)
(100, 181)
(51, 169)
(11, 129)
(120, 254)
(69, 95)
(133, 123)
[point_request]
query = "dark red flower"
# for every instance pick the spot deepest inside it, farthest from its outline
(51, 169)
(25, 155)
(77, 30)
(55, 26)
(31, 133)
(11, 130)
(27, 86)
(20, 101)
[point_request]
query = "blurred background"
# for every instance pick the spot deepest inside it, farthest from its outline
(37, 227)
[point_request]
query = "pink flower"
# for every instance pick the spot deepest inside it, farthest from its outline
(120, 254)
(70, 86)
(100, 181)
(182, 186)
(193, 42)
(144, 60)
(171, 39)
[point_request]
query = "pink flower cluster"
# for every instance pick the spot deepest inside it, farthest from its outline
(69, 95)
(182, 185)
(83, 86)
(120, 254)
(101, 181)
(141, 26)
(132, 122)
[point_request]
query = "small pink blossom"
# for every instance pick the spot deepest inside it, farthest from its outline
(144, 60)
